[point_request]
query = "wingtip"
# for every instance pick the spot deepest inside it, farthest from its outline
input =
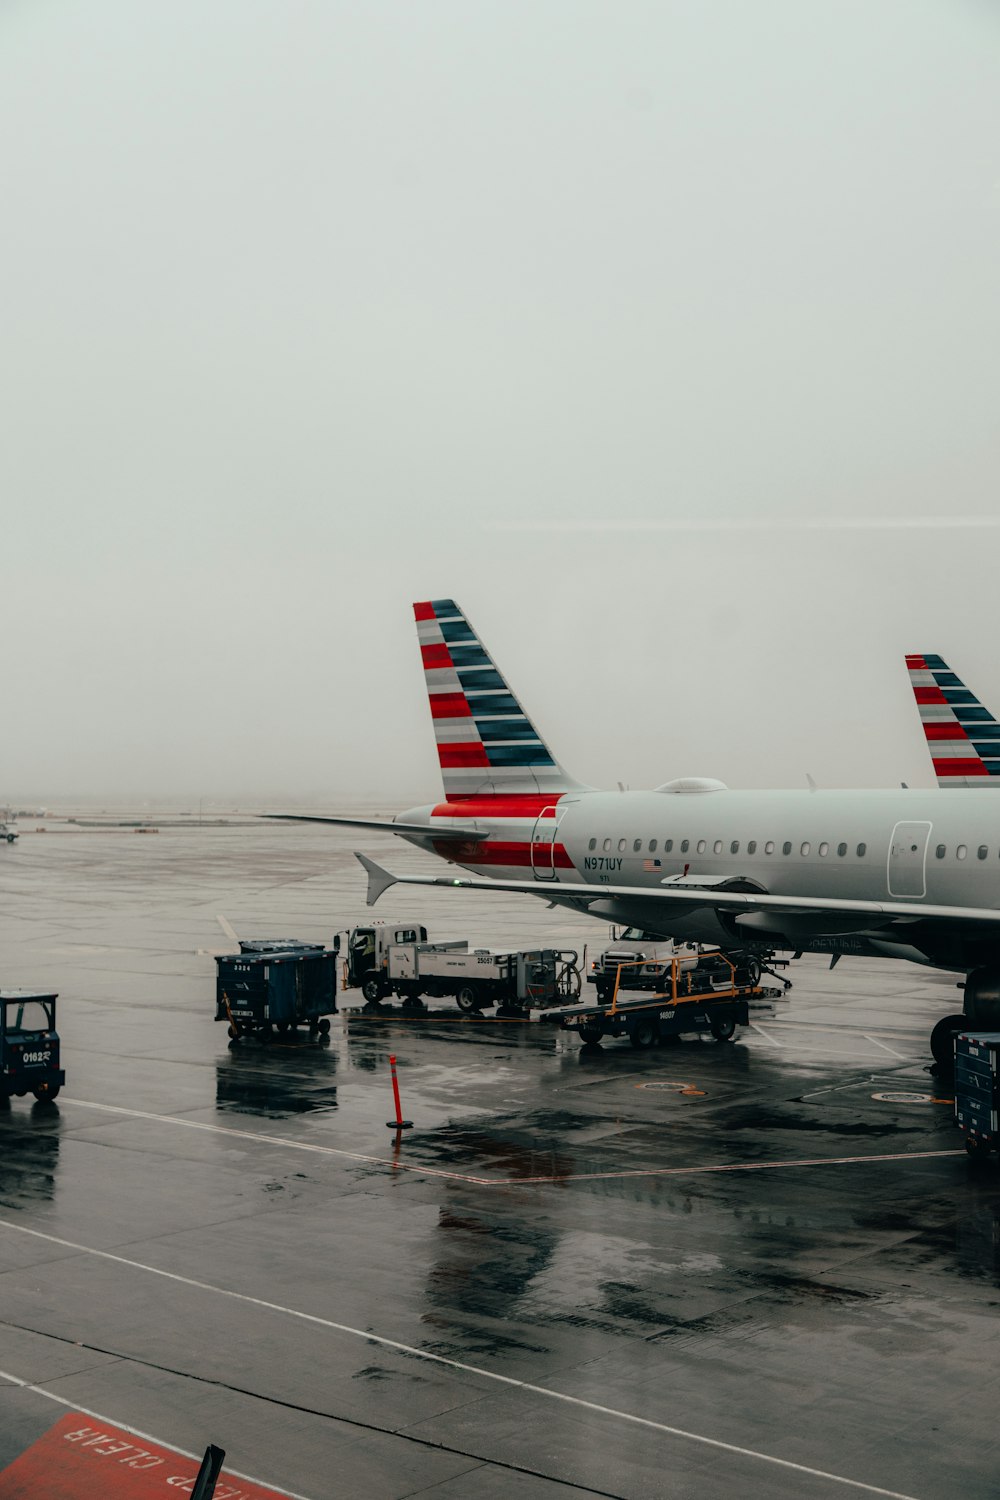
(379, 880)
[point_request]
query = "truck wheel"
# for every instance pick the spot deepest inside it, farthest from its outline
(723, 1025)
(468, 998)
(372, 989)
(591, 1033)
(46, 1092)
(645, 1032)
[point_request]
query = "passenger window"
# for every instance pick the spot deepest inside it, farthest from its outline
(961, 851)
(717, 847)
(734, 847)
(668, 844)
(841, 850)
(769, 847)
(824, 850)
(752, 847)
(805, 848)
(862, 850)
(983, 851)
(685, 845)
(621, 845)
(940, 851)
(592, 844)
(702, 846)
(636, 845)
(652, 846)
(786, 847)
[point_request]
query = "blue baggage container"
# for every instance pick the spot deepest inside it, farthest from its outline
(977, 1089)
(276, 985)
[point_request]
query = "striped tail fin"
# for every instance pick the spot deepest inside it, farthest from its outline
(962, 736)
(486, 742)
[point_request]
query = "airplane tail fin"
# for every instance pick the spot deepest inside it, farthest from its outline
(486, 743)
(962, 736)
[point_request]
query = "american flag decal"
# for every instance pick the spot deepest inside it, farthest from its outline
(962, 736)
(651, 864)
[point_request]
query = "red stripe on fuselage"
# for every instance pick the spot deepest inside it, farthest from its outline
(959, 765)
(449, 706)
(513, 854)
(945, 732)
(509, 805)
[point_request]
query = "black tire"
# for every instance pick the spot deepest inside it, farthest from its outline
(979, 1150)
(324, 1027)
(942, 1043)
(722, 1025)
(234, 1032)
(45, 1093)
(371, 988)
(753, 972)
(282, 1027)
(591, 1032)
(467, 999)
(644, 1032)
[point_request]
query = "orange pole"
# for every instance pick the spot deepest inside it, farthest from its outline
(398, 1123)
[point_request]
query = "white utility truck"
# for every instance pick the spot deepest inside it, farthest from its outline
(396, 959)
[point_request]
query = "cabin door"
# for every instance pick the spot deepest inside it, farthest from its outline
(907, 875)
(543, 843)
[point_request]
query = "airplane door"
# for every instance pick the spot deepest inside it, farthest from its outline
(543, 843)
(907, 873)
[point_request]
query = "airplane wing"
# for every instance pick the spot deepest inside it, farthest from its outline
(672, 894)
(421, 830)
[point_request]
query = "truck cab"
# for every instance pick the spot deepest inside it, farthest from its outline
(367, 955)
(29, 1046)
(643, 958)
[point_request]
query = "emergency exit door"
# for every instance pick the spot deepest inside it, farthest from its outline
(907, 875)
(543, 843)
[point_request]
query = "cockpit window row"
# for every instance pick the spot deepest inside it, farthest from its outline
(768, 847)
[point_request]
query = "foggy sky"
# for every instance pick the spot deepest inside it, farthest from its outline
(314, 309)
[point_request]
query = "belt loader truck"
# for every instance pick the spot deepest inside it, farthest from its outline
(398, 960)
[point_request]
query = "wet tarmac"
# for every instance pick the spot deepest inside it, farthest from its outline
(701, 1270)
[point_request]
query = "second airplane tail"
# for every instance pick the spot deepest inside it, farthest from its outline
(486, 743)
(962, 736)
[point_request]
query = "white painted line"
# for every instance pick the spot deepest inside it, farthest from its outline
(147, 1437)
(891, 1050)
(230, 934)
(456, 1364)
(761, 1032)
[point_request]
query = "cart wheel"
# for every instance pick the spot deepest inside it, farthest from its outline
(977, 1149)
(324, 1027)
(645, 1032)
(468, 998)
(723, 1026)
(265, 1033)
(234, 1032)
(45, 1093)
(282, 1027)
(372, 989)
(591, 1034)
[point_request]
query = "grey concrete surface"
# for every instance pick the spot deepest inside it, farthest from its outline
(570, 1277)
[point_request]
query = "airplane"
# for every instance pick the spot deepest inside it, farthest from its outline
(963, 737)
(904, 874)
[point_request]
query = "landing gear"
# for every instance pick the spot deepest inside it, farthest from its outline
(943, 1041)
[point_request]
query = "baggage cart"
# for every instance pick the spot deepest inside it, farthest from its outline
(276, 985)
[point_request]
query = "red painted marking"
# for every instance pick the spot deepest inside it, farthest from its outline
(88, 1459)
(508, 805)
(423, 611)
(472, 754)
(960, 765)
(929, 695)
(945, 732)
(509, 853)
(916, 664)
(436, 656)
(449, 706)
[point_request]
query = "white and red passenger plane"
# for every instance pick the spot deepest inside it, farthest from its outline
(895, 874)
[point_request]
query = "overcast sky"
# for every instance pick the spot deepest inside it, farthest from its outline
(314, 309)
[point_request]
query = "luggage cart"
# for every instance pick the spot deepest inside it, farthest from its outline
(710, 995)
(276, 985)
(977, 1090)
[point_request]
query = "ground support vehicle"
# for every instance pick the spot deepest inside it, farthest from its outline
(29, 1045)
(708, 991)
(277, 984)
(977, 1090)
(395, 960)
